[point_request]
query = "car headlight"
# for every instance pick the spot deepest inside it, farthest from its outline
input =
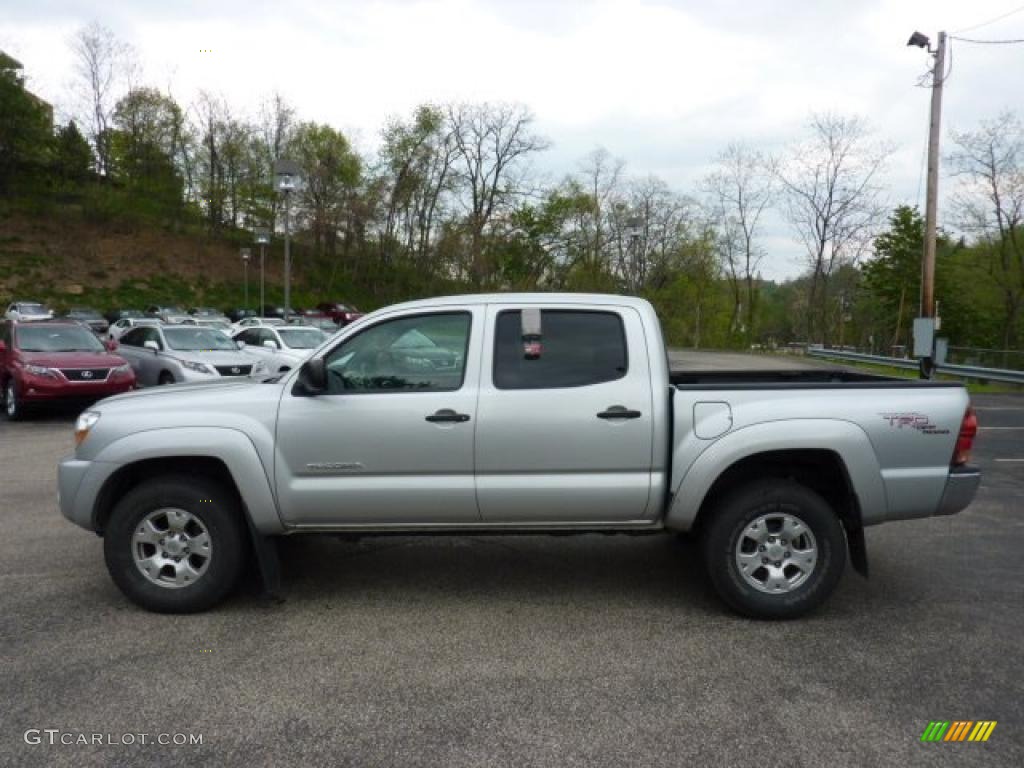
(85, 421)
(40, 370)
(197, 367)
(259, 368)
(121, 370)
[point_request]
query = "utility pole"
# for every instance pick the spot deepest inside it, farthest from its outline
(924, 342)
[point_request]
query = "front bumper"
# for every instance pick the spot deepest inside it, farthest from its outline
(35, 389)
(961, 485)
(78, 487)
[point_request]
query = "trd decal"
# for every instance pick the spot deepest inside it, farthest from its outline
(919, 421)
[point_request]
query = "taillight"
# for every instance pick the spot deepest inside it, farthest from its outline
(965, 440)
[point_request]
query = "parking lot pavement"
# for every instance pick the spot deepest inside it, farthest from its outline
(574, 651)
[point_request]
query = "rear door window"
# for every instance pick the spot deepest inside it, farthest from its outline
(577, 349)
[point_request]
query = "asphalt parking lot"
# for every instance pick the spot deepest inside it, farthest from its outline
(592, 650)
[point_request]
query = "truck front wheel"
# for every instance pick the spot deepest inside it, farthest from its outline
(774, 549)
(175, 544)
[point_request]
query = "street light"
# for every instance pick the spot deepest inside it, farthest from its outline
(246, 255)
(262, 237)
(287, 173)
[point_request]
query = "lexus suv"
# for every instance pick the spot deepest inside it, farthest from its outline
(53, 362)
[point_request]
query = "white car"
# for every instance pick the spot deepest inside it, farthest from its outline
(278, 348)
(119, 327)
(256, 322)
(29, 310)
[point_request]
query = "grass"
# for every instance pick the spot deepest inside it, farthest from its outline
(973, 386)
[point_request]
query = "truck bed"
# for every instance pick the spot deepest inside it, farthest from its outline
(798, 378)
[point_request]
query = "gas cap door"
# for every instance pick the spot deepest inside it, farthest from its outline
(711, 419)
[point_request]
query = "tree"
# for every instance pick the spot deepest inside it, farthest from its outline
(990, 202)
(142, 143)
(493, 143)
(72, 155)
(739, 190)
(831, 197)
(25, 138)
(103, 64)
(894, 274)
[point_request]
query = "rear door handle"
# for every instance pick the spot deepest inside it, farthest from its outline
(447, 415)
(619, 412)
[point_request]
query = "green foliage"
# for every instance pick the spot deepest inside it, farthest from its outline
(25, 138)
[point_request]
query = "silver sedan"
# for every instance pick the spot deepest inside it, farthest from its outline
(168, 354)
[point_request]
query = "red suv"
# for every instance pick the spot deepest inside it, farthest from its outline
(46, 362)
(342, 314)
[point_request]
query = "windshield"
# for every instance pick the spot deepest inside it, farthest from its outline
(57, 338)
(172, 310)
(33, 309)
(302, 338)
(219, 325)
(91, 314)
(197, 339)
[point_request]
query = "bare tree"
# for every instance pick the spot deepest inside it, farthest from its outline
(990, 204)
(600, 175)
(276, 126)
(493, 143)
(104, 65)
(739, 190)
(832, 199)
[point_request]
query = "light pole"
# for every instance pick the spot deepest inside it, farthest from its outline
(925, 325)
(634, 226)
(246, 255)
(262, 240)
(287, 173)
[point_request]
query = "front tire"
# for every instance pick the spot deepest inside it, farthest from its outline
(774, 549)
(175, 544)
(13, 407)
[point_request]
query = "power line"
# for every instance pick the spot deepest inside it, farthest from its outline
(988, 42)
(990, 21)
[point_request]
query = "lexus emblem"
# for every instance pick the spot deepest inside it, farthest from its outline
(236, 369)
(86, 374)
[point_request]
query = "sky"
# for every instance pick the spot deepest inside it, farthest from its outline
(662, 85)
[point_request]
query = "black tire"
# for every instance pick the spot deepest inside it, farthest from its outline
(165, 377)
(729, 520)
(14, 409)
(216, 509)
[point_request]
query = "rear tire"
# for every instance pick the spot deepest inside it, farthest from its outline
(774, 549)
(176, 544)
(166, 377)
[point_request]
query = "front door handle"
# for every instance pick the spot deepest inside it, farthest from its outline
(619, 412)
(447, 415)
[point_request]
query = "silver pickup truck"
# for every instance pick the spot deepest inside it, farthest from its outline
(515, 413)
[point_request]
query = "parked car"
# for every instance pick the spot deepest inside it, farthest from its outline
(119, 327)
(272, 310)
(168, 313)
(90, 317)
(559, 414)
(165, 354)
(256, 322)
(206, 313)
(323, 322)
(55, 362)
(217, 324)
(237, 313)
(277, 349)
(342, 314)
(113, 315)
(28, 310)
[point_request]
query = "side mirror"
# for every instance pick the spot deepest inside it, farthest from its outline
(111, 344)
(269, 344)
(313, 377)
(150, 344)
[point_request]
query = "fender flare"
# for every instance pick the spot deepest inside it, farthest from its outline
(230, 446)
(844, 438)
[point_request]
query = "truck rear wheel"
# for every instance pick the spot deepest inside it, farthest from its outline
(774, 549)
(175, 544)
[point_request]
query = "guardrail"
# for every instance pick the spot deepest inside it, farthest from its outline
(963, 371)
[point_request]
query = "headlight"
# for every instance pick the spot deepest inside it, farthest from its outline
(259, 368)
(121, 370)
(197, 367)
(86, 421)
(39, 370)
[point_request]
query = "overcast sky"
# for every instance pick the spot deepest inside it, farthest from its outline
(662, 85)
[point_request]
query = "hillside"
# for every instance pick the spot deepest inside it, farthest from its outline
(64, 259)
